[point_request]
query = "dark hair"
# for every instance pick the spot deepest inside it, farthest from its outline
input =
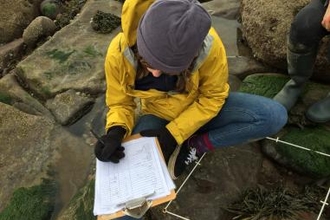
(183, 83)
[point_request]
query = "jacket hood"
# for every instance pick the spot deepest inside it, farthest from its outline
(132, 11)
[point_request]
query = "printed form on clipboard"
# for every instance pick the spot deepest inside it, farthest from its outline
(142, 173)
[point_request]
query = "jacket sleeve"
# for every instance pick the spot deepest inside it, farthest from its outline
(213, 90)
(120, 106)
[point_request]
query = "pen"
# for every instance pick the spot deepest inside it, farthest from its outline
(96, 136)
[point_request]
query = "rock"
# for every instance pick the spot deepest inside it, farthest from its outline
(227, 30)
(71, 59)
(299, 130)
(266, 32)
(34, 148)
(216, 183)
(82, 204)
(305, 162)
(234, 82)
(241, 66)
(25, 150)
(9, 54)
(225, 9)
(42, 200)
(69, 106)
(39, 28)
(12, 93)
(15, 16)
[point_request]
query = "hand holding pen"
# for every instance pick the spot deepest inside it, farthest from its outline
(108, 147)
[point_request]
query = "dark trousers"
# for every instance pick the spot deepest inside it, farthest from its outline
(306, 28)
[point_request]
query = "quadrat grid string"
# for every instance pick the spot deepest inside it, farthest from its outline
(324, 203)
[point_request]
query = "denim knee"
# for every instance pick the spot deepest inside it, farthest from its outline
(146, 122)
(276, 118)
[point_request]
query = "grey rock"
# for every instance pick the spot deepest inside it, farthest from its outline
(266, 32)
(20, 98)
(69, 106)
(41, 27)
(225, 9)
(9, 53)
(234, 83)
(25, 149)
(15, 16)
(227, 30)
(74, 63)
(242, 66)
(32, 147)
(216, 183)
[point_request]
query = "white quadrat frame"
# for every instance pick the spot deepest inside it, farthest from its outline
(324, 203)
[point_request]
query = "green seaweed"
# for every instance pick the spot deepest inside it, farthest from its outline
(312, 137)
(264, 85)
(77, 67)
(58, 55)
(316, 139)
(34, 203)
(50, 9)
(46, 92)
(5, 98)
(92, 51)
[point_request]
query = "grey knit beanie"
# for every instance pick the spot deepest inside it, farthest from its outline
(171, 32)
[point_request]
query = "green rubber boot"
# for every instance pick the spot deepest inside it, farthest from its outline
(300, 61)
(319, 112)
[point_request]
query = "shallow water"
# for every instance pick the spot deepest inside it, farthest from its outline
(76, 163)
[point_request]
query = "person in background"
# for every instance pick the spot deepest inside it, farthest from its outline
(170, 58)
(309, 26)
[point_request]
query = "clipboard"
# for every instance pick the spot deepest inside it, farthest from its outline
(136, 208)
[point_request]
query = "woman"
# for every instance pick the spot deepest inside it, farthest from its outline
(170, 58)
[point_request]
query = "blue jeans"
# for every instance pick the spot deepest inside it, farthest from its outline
(243, 118)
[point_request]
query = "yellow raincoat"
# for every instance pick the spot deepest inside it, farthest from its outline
(186, 113)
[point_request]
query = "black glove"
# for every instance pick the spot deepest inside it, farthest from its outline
(166, 140)
(108, 148)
